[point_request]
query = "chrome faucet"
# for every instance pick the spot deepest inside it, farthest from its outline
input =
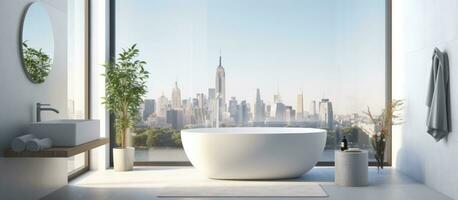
(41, 108)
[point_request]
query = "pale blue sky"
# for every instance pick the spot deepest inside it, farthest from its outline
(37, 29)
(327, 48)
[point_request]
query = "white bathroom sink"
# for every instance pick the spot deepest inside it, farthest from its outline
(67, 132)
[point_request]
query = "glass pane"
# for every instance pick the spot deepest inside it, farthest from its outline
(77, 69)
(282, 63)
(76, 163)
(76, 58)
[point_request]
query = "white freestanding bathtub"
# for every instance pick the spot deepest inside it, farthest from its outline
(253, 152)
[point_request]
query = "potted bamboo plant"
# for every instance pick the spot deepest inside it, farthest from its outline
(125, 87)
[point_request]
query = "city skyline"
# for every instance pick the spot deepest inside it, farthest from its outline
(285, 50)
(171, 100)
(213, 110)
(220, 82)
(200, 111)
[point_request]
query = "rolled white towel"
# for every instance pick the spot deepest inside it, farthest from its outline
(38, 144)
(19, 143)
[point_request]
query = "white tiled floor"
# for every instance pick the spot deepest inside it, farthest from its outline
(144, 182)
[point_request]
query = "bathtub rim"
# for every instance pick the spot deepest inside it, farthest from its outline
(254, 130)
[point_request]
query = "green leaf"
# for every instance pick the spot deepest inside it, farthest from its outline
(125, 88)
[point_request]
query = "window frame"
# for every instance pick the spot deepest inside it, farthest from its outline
(388, 90)
(87, 41)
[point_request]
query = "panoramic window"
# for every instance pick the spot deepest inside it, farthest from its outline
(277, 63)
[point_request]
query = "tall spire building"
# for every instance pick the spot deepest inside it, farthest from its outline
(300, 106)
(277, 97)
(176, 97)
(221, 87)
(260, 108)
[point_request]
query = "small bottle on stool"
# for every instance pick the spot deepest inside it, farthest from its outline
(344, 144)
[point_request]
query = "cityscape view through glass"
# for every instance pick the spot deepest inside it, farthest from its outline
(245, 64)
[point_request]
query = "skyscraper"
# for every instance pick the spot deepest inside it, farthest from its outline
(211, 94)
(275, 109)
(201, 107)
(233, 110)
(280, 112)
(187, 110)
(300, 107)
(211, 110)
(176, 97)
(290, 114)
(326, 116)
(260, 108)
(149, 108)
(268, 110)
(195, 102)
(242, 119)
(175, 118)
(198, 112)
(221, 88)
(313, 109)
(162, 105)
(277, 97)
(202, 100)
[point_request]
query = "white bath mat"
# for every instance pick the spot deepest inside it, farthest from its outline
(219, 188)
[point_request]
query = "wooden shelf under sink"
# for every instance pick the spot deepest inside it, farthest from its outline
(58, 152)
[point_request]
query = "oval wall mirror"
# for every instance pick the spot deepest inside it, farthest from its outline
(37, 43)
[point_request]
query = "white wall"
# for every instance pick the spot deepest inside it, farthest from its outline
(29, 178)
(418, 27)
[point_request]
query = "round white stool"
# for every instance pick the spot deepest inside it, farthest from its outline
(351, 168)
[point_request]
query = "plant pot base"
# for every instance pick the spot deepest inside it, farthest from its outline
(123, 159)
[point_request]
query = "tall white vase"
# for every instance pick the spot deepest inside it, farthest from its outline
(123, 159)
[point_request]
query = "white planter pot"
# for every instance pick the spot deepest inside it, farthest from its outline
(123, 159)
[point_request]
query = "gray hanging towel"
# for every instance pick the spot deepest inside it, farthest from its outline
(438, 97)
